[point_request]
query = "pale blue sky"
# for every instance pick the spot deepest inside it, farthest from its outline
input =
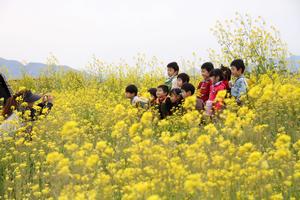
(75, 30)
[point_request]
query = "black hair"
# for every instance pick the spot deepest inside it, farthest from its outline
(208, 66)
(164, 88)
(152, 91)
(184, 77)
(226, 73)
(217, 72)
(176, 91)
(187, 87)
(239, 64)
(131, 89)
(173, 65)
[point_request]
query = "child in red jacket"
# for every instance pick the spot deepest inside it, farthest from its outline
(213, 105)
(203, 88)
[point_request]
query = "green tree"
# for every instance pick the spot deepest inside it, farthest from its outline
(259, 45)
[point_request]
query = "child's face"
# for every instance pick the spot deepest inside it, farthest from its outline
(174, 97)
(160, 93)
(171, 72)
(129, 95)
(205, 74)
(186, 94)
(235, 72)
(179, 82)
(214, 79)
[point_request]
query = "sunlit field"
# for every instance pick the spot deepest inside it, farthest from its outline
(95, 145)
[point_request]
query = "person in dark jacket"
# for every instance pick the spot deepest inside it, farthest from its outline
(163, 102)
(16, 103)
(16, 115)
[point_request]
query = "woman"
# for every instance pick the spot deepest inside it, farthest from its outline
(19, 109)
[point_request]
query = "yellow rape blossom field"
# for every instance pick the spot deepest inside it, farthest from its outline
(95, 145)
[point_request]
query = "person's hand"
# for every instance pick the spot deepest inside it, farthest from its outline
(47, 98)
(50, 99)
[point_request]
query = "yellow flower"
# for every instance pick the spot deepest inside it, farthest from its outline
(190, 103)
(147, 118)
(193, 183)
(69, 130)
(297, 145)
(64, 171)
(154, 197)
(101, 145)
(119, 109)
(134, 129)
(211, 129)
(221, 95)
(71, 147)
(54, 157)
(92, 161)
(255, 91)
(203, 140)
(282, 154)
(254, 157)
(247, 147)
(276, 197)
(119, 129)
(147, 132)
(191, 118)
(163, 123)
(283, 141)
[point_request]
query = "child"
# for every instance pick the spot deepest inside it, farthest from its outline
(182, 78)
(204, 86)
(226, 75)
(240, 85)
(226, 79)
(131, 92)
(187, 90)
(176, 99)
(218, 85)
(153, 96)
(173, 70)
(163, 102)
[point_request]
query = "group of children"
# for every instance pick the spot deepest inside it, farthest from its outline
(168, 97)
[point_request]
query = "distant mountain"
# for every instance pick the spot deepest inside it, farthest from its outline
(294, 63)
(15, 69)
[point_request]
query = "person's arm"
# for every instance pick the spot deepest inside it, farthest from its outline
(46, 104)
